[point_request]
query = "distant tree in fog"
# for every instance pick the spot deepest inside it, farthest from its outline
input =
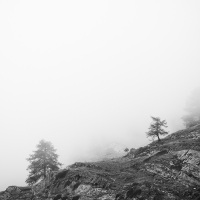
(193, 109)
(156, 128)
(126, 149)
(42, 160)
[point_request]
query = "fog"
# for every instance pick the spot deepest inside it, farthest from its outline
(193, 103)
(192, 108)
(86, 74)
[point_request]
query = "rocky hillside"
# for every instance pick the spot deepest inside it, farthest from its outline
(169, 169)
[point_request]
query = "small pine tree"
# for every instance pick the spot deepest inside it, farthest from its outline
(126, 149)
(43, 159)
(155, 129)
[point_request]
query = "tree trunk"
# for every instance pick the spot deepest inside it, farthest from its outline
(45, 171)
(45, 152)
(158, 138)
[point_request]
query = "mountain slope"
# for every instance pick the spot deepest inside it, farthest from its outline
(169, 169)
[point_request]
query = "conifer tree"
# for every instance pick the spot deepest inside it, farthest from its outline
(155, 129)
(42, 160)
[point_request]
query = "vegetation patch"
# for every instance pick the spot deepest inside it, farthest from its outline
(61, 174)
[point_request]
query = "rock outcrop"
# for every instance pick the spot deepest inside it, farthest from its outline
(17, 193)
(169, 169)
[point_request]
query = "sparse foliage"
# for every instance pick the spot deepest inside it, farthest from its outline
(126, 149)
(43, 159)
(156, 128)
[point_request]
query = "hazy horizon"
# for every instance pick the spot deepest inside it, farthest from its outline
(87, 74)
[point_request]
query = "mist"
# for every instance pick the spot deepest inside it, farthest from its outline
(85, 75)
(192, 108)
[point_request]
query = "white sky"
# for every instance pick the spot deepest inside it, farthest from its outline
(84, 74)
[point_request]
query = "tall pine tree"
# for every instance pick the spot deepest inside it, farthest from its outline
(42, 160)
(156, 128)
